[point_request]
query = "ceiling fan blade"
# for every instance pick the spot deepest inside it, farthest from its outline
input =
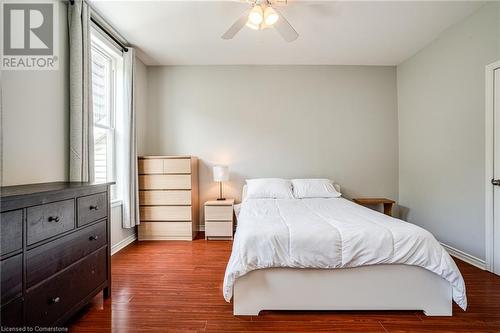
(237, 26)
(285, 29)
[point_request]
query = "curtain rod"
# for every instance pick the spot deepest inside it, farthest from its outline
(110, 35)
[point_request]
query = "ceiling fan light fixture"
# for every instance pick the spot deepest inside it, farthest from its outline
(252, 26)
(260, 16)
(256, 15)
(270, 16)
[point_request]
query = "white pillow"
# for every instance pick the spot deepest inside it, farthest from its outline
(314, 188)
(244, 193)
(272, 188)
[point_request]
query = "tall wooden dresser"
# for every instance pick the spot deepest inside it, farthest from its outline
(168, 197)
(55, 251)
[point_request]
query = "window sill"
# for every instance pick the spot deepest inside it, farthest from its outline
(116, 203)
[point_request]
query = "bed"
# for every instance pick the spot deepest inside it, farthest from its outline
(332, 254)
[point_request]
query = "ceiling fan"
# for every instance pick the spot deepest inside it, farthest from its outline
(262, 15)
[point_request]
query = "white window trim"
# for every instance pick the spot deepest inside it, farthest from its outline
(108, 50)
(116, 203)
(111, 172)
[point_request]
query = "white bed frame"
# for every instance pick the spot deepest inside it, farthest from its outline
(377, 287)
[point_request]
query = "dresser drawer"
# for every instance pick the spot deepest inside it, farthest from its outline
(11, 231)
(165, 182)
(151, 166)
(11, 314)
(219, 229)
(50, 301)
(51, 219)
(165, 213)
(177, 165)
(161, 197)
(219, 213)
(91, 208)
(165, 231)
(11, 278)
(46, 260)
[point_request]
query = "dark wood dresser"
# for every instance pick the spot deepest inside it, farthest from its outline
(55, 251)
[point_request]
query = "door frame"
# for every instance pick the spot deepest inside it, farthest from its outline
(489, 161)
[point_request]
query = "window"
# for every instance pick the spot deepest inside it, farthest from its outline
(107, 68)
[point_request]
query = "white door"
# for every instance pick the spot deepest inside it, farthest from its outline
(496, 191)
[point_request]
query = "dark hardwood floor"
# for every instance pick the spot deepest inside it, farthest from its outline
(177, 287)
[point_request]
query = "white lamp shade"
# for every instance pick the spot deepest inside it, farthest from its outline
(221, 173)
(256, 15)
(270, 16)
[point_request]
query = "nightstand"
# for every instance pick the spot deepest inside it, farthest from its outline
(219, 219)
(377, 201)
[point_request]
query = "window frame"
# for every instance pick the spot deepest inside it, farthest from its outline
(108, 51)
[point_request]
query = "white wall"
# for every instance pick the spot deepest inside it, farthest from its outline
(441, 101)
(119, 235)
(279, 121)
(35, 120)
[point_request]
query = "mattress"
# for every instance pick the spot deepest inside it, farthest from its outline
(331, 233)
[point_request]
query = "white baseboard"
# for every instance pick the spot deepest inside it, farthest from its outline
(470, 259)
(123, 243)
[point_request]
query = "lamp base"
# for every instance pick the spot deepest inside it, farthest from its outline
(220, 198)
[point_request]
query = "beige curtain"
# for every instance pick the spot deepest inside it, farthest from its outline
(128, 165)
(81, 145)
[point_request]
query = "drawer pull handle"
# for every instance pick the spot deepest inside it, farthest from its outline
(55, 300)
(53, 218)
(94, 237)
(94, 207)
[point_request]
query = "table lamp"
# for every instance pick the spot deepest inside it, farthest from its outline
(221, 174)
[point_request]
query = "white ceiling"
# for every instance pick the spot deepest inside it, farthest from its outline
(331, 32)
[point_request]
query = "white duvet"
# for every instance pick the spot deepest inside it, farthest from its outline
(331, 233)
